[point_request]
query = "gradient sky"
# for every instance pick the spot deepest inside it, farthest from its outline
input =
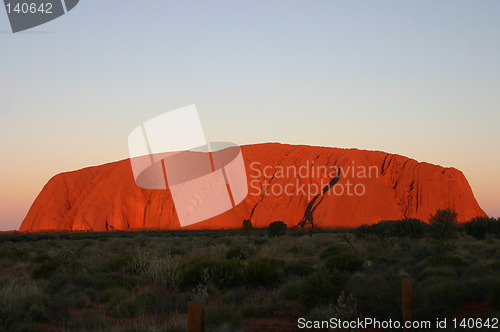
(419, 78)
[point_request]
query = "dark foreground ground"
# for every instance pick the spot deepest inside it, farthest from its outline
(247, 280)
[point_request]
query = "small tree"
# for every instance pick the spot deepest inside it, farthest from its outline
(443, 223)
(247, 223)
(276, 228)
(479, 227)
(247, 226)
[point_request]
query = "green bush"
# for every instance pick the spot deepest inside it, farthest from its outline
(73, 297)
(378, 293)
(255, 310)
(298, 269)
(16, 298)
(362, 231)
(118, 263)
(290, 290)
(479, 227)
(411, 228)
(210, 271)
(330, 251)
(240, 253)
(113, 294)
(247, 226)
(260, 241)
(136, 305)
(41, 258)
(322, 288)
(45, 270)
(36, 312)
(25, 327)
(264, 272)
(436, 296)
(177, 252)
(493, 296)
(347, 262)
(116, 280)
(90, 320)
(444, 260)
(277, 228)
(441, 271)
(50, 266)
(222, 316)
(13, 253)
(443, 223)
(148, 303)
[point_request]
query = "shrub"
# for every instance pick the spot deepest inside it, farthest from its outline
(298, 269)
(239, 253)
(49, 267)
(247, 226)
(116, 280)
(329, 252)
(443, 223)
(71, 297)
(264, 272)
(16, 296)
(437, 295)
(36, 312)
(322, 288)
(362, 231)
(155, 269)
(378, 294)
(255, 310)
(136, 305)
(45, 270)
(493, 296)
(444, 260)
(118, 263)
(25, 327)
(346, 262)
(276, 228)
(13, 253)
(41, 258)
(247, 223)
(441, 271)
(222, 316)
(411, 228)
(90, 320)
(260, 241)
(210, 271)
(237, 295)
(345, 309)
(177, 252)
(479, 227)
(113, 294)
(290, 290)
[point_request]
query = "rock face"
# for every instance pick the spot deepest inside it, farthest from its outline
(282, 181)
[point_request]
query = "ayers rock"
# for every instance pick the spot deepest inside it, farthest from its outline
(387, 186)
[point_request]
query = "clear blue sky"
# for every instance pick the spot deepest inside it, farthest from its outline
(419, 78)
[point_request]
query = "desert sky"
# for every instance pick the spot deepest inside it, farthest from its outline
(419, 78)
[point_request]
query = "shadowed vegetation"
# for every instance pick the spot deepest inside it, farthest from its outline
(142, 281)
